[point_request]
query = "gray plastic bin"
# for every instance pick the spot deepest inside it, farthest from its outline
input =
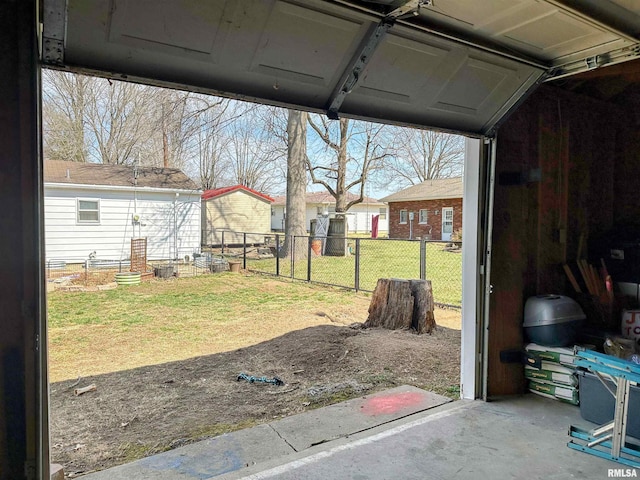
(552, 320)
(597, 404)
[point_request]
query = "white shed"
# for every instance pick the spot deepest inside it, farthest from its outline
(235, 210)
(359, 216)
(96, 209)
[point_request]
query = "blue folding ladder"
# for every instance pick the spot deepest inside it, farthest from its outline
(610, 440)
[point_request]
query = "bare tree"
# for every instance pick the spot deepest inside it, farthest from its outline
(119, 122)
(275, 121)
(93, 119)
(423, 155)
(253, 154)
(176, 123)
(64, 110)
(296, 184)
(214, 166)
(181, 120)
(351, 152)
(211, 161)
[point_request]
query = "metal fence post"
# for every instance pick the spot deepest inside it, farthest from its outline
(292, 257)
(308, 258)
(357, 279)
(222, 246)
(423, 259)
(86, 271)
(277, 255)
(244, 250)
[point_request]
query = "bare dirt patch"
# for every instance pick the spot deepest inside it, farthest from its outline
(206, 332)
(147, 410)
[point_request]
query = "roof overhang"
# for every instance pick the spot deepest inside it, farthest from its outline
(421, 199)
(456, 65)
(122, 188)
(215, 194)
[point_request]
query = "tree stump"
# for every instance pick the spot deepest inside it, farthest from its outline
(423, 320)
(402, 304)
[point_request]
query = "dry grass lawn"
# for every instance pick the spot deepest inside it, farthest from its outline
(165, 358)
(161, 321)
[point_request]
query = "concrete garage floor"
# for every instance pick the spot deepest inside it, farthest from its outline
(402, 433)
(517, 438)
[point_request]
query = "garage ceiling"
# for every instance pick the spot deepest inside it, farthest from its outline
(457, 65)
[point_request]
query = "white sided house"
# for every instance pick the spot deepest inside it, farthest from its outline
(94, 210)
(230, 212)
(359, 216)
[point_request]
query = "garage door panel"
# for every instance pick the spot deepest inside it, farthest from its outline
(539, 29)
(273, 51)
(305, 45)
(172, 29)
(485, 77)
(475, 15)
(406, 67)
(564, 35)
(439, 83)
(288, 53)
(458, 65)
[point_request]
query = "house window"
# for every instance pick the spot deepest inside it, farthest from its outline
(403, 216)
(383, 213)
(88, 211)
(273, 212)
(423, 216)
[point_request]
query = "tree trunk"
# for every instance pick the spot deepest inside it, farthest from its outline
(423, 319)
(402, 304)
(165, 141)
(296, 186)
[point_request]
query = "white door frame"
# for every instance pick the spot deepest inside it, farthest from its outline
(470, 361)
(477, 223)
(469, 365)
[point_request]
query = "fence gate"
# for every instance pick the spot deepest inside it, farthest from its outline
(139, 255)
(322, 228)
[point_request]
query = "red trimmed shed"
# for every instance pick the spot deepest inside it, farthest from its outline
(235, 210)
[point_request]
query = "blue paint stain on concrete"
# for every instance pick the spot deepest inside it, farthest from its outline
(219, 456)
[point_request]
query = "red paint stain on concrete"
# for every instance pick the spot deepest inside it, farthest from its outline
(390, 404)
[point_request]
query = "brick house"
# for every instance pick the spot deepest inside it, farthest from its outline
(431, 209)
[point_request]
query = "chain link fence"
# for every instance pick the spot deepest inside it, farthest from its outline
(348, 262)
(351, 262)
(68, 274)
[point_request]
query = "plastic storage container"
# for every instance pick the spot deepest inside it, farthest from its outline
(163, 271)
(597, 405)
(552, 320)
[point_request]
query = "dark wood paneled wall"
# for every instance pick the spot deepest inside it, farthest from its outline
(555, 171)
(627, 178)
